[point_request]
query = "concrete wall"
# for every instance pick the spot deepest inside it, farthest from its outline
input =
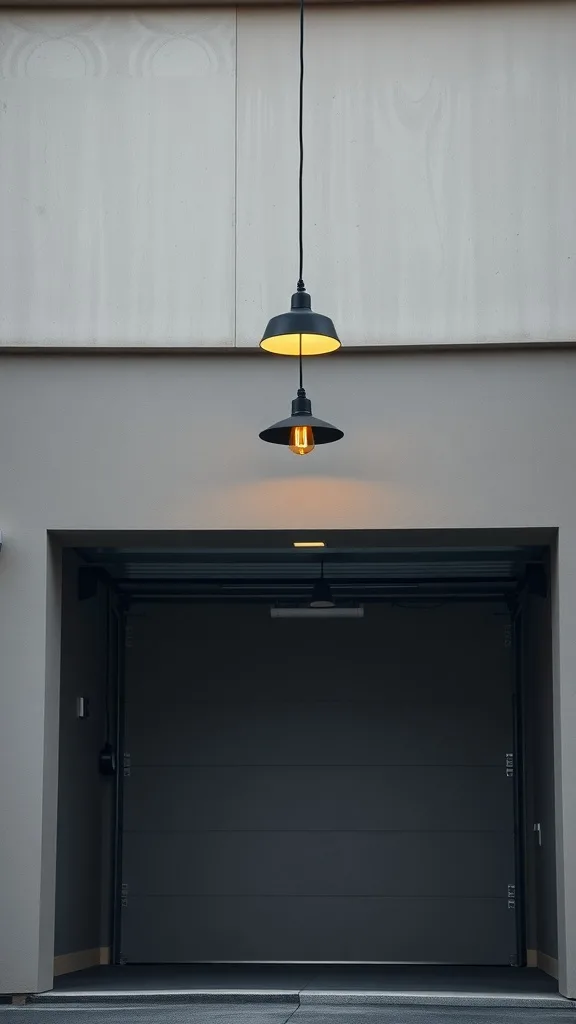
(83, 794)
(150, 198)
(438, 441)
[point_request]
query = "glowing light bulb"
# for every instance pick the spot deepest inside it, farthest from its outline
(301, 440)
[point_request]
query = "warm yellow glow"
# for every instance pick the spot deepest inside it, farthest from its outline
(301, 440)
(289, 344)
(308, 544)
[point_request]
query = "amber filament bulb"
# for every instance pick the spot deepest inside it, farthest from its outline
(301, 440)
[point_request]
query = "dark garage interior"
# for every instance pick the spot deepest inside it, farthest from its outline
(281, 764)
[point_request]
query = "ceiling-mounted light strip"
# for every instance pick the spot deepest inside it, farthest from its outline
(306, 612)
(308, 544)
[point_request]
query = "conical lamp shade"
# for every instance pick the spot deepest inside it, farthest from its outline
(280, 433)
(286, 332)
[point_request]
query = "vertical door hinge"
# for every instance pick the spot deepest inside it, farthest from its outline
(124, 898)
(127, 766)
(511, 897)
(509, 766)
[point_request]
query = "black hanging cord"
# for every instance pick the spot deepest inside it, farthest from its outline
(301, 386)
(300, 286)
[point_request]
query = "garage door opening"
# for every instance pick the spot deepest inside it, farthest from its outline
(354, 790)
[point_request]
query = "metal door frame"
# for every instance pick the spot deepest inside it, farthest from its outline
(116, 908)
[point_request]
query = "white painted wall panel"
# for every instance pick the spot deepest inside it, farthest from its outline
(440, 162)
(117, 178)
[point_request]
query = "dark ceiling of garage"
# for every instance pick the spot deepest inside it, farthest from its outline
(285, 574)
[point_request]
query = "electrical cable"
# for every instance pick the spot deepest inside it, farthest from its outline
(301, 286)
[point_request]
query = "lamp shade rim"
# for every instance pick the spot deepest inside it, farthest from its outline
(283, 333)
(279, 433)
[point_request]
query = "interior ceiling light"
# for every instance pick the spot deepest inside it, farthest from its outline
(322, 594)
(338, 612)
(300, 331)
(308, 544)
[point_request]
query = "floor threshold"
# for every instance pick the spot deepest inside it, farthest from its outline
(305, 998)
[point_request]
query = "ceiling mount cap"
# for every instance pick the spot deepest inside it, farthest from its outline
(301, 300)
(283, 333)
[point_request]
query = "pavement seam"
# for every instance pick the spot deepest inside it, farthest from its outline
(294, 1011)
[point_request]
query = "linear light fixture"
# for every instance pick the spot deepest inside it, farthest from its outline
(308, 544)
(306, 612)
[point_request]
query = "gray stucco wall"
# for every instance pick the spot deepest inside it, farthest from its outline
(83, 794)
(435, 441)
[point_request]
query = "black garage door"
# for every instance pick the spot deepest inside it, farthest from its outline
(318, 791)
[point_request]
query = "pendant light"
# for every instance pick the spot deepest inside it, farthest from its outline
(322, 593)
(301, 431)
(300, 331)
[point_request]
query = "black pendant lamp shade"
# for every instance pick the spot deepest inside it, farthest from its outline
(301, 331)
(301, 431)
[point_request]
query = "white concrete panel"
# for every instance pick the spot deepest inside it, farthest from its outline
(439, 171)
(117, 200)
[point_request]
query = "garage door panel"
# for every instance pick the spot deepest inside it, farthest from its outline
(219, 653)
(467, 731)
(326, 863)
(327, 797)
(216, 928)
(358, 810)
